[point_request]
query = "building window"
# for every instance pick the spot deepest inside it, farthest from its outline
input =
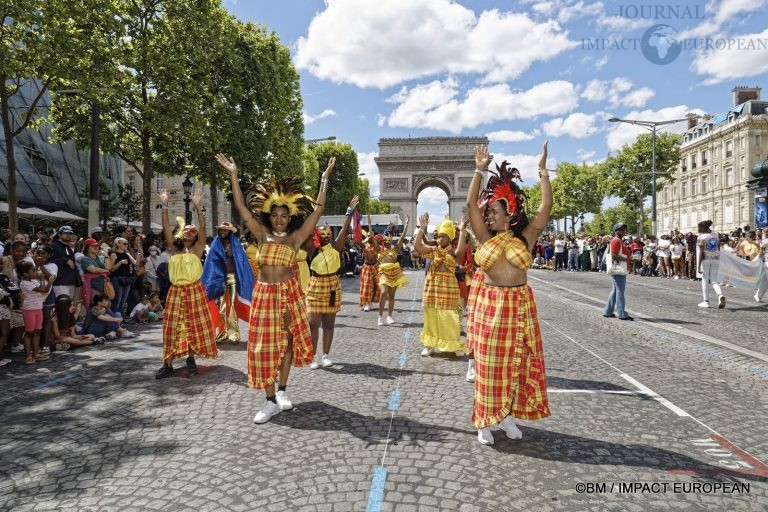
(704, 184)
(684, 189)
(684, 218)
(693, 186)
(132, 182)
(728, 178)
(683, 166)
(728, 214)
(742, 214)
(704, 157)
(743, 173)
(693, 160)
(159, 182)
(757, 141)
(728, 148)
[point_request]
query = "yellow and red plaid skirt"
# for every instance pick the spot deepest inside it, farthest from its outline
(319, 294)
(474, 285)
(441, 290)
(509, 356)
(369, 285)
(187, 323)
(390, 274)
(267, 336)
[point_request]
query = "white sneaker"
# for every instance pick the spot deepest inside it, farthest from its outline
(704, 304)
(757, 297)
(367, 308)
(315, 364)
(721, 301)
(677, 277)
(471, 371)
(283, 402)
(381, 321)
(484, 436)
(267, 411)
(427, 351)
(510, 428)
(390, 321)
(326, 361)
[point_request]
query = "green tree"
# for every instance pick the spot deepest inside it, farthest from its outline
(627, 213)
(344, 182)
(49, 41)
(576, 190)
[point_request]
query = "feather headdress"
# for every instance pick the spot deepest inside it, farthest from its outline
(286, 192)
(502, 186)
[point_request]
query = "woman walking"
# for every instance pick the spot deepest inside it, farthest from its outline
(391, 277)
(506, 338)
(708, 245)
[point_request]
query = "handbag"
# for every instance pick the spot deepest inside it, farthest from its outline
(109, 290)
(615, 268)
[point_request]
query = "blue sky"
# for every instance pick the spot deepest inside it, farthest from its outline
(518, 72)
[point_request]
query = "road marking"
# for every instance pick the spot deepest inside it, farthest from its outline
(676, 329)
(59, 380)
(596, 391)
(652, 394)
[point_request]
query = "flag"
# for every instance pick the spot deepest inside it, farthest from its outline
(739, 272)
(357, 228)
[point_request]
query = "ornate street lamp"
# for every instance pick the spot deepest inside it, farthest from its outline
(187, 186)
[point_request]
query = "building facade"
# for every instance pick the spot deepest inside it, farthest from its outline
(717, 154)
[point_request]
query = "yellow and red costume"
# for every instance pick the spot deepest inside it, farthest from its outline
(303, 269)
(369, 285)
(442, 305)
(506, 339)
(272, 303)
(324, 291)
(187, 323)
(391, 274)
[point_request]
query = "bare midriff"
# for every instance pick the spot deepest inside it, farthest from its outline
(504, 274)
(274, 273)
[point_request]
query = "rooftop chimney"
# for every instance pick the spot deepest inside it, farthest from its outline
(693, 120)
(743, 94)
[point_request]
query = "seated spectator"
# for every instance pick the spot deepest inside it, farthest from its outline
(156, 309)
(140, 312)
(65, 329)
(102, 322)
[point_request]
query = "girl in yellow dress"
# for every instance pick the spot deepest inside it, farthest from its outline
(391, 276)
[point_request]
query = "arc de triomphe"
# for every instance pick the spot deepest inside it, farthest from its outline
(408, 166)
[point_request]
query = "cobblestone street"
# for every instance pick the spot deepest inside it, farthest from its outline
(667, 412)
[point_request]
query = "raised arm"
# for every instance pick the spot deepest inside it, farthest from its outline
(202, 233)
(541, 217)
(482, 159)
(462, 245)
(418, 242)
(399, 245)
(372, 235)
(167, 230)
(251, 223)
(308, 227)
(341, 238)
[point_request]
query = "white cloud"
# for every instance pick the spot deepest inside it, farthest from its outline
(380, 44)
(309, 119)
(623, 133)
(435, 105)
(721, 14)
(580, 9)
(726, 65)
(584, 155)
(512, 136)
(617, 92)
(528, 165)
(370, 170)
(602, 61)
(577, 125)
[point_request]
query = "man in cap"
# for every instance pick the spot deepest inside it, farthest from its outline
(619, 254)
(68, 278)
(227, 272)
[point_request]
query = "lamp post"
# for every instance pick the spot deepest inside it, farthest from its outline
(104, 193)
(187, 186)
(651, 126)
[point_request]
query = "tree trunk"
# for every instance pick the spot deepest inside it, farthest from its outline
(146, 184)
(10, 158)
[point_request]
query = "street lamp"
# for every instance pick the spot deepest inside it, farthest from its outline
(104, 193)
(310, 141)
(187, 186)
(650, 125)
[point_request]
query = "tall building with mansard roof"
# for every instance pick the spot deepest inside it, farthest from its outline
(717, 154)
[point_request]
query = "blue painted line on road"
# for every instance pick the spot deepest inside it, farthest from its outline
(407, 335)
(394, 400)
(759, 371)
(376, 494)
(706, 351)
(662, 335)
(403, 359)
(53, 382)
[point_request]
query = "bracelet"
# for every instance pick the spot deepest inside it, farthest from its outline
(479, 171)
(349, 211)
(543, 173)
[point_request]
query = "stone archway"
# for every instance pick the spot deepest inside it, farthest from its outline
(408, 166)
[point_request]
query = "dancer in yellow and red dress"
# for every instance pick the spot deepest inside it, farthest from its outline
(324, 291)
(441, 298)
(504, 330)
(187, 324)
(391, 276)
(369, 283)
(281, 218)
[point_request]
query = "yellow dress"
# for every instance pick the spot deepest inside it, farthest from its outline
(442, 304)
(301, 263)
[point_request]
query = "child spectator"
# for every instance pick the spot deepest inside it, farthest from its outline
(65, 329)
(156, 309)
(101, 322)
(140, 313)
(42, 256)
(34, 290)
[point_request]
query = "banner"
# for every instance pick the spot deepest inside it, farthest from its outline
(739, 272)
(357, 227)
(761, 208)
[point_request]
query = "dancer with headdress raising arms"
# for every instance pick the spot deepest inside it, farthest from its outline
(187, 324)
(441, 298)
(506, 338)
(324, 291)
(369, 283)
(391, 276)
(281, 217)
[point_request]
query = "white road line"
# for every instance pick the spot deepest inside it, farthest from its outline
(596, 391)
(652, 394)
(669, 327)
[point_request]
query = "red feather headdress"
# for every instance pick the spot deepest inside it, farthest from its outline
(502, 186)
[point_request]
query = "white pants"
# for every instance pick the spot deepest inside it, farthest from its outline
(763, 286)
(709, 277)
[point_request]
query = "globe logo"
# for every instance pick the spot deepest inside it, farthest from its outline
(659, 44)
